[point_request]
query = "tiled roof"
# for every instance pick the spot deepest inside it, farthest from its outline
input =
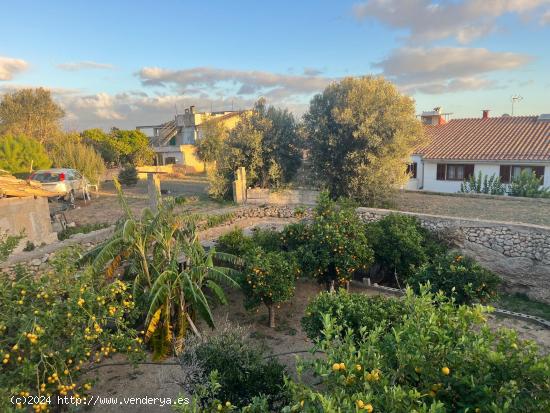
(511, 138)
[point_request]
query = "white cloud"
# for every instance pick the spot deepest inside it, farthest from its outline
(10, 67)
(447, 69)
(76, 66)
(462, 20)
(240, 82)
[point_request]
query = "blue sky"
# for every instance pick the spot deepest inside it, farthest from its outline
(122, 63)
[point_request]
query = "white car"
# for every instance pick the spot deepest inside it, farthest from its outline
(68, 182)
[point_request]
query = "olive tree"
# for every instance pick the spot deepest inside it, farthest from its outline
(360, 134)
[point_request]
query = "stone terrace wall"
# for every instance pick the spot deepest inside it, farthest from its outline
(259, 196)
(520, 254)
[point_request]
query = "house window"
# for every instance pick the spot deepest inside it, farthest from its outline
(509, 172)
(169, 160)
(172, 141)
(454, 172)
(411, 170)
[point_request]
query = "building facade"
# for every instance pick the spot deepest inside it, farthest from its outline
(174, 141)
(500, 146)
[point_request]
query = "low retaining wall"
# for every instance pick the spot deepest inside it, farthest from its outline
(259, 196)
(520, 254)
(30, 216)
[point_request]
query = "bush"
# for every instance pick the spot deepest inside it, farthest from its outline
(19, 154)
(240, 366)
(527, 184)
(439, 358)
(82, 229)
(55, 326)
(128, 175)
(351, 311)
(7, 244)
(400, 245)
(235, 242)
(267, 239)
(459, 277)
(483, 184)
(71, 153)
(269, 278)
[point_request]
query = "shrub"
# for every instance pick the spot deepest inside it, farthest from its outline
(269, 278)
(336, 246)
(459, 277)
(55, 326)
(267, 239)
(240, 367)
(400, 245)
(7, 244)
(82, 229)
(527, 184)
(439, 358)
(235, 242)
(71, 153)
(483, 184)
(128, 175)
(352, 311)
(19, 154)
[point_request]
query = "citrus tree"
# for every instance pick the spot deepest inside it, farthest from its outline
(20, 154)
(437, 358)
(335, 246)
(269, 278)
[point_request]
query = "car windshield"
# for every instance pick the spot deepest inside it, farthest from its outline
(46, 177)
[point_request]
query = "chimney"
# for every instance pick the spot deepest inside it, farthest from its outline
(485, 114)
(434, 117)
(192, 109)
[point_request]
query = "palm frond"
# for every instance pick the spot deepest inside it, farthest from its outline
(217, 290)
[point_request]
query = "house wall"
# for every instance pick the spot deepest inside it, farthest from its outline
(415, 184)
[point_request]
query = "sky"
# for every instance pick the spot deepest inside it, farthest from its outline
(128, 63)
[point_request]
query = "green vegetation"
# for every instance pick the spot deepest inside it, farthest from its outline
(354, 312)
(265, 142)
(527, 184)
(32, 113)
(120, 147)
(56, 325)
(7, 244)
(80, 229)
(520, 303)
(241, 367)
(438, 358)
(128, 175)
(21, 155)
(210, 144)
(360, 133)
(483, 184)
(70, 152)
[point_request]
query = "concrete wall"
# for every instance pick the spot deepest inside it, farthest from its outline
(259, 196)
(28, 215)
(520, 254)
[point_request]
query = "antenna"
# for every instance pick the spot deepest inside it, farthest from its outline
(514, 99)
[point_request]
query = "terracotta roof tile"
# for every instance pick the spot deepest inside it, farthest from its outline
(504, 138)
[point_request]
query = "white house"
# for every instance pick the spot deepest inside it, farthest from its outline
(458, 148)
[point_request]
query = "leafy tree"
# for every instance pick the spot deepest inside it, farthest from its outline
(266, 143)
(69, 152)
(120, 147)
(209, 145)
(30, 112)
(527, 184)
(360, 133)
(20, 154)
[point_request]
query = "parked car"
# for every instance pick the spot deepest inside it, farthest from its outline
(69, 182)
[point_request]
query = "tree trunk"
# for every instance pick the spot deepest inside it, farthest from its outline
(271, 309)
(347, 286)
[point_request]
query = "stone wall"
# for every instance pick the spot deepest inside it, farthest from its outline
(259, 196)
(520, 254)
(30, 216)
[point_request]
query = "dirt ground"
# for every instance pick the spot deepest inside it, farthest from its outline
(528, 211)
(288, 337)
(105, 207)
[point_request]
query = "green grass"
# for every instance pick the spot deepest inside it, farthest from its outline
(81, 229)
(520, 303)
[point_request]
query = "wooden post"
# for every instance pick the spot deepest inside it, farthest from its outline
(153, 190)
